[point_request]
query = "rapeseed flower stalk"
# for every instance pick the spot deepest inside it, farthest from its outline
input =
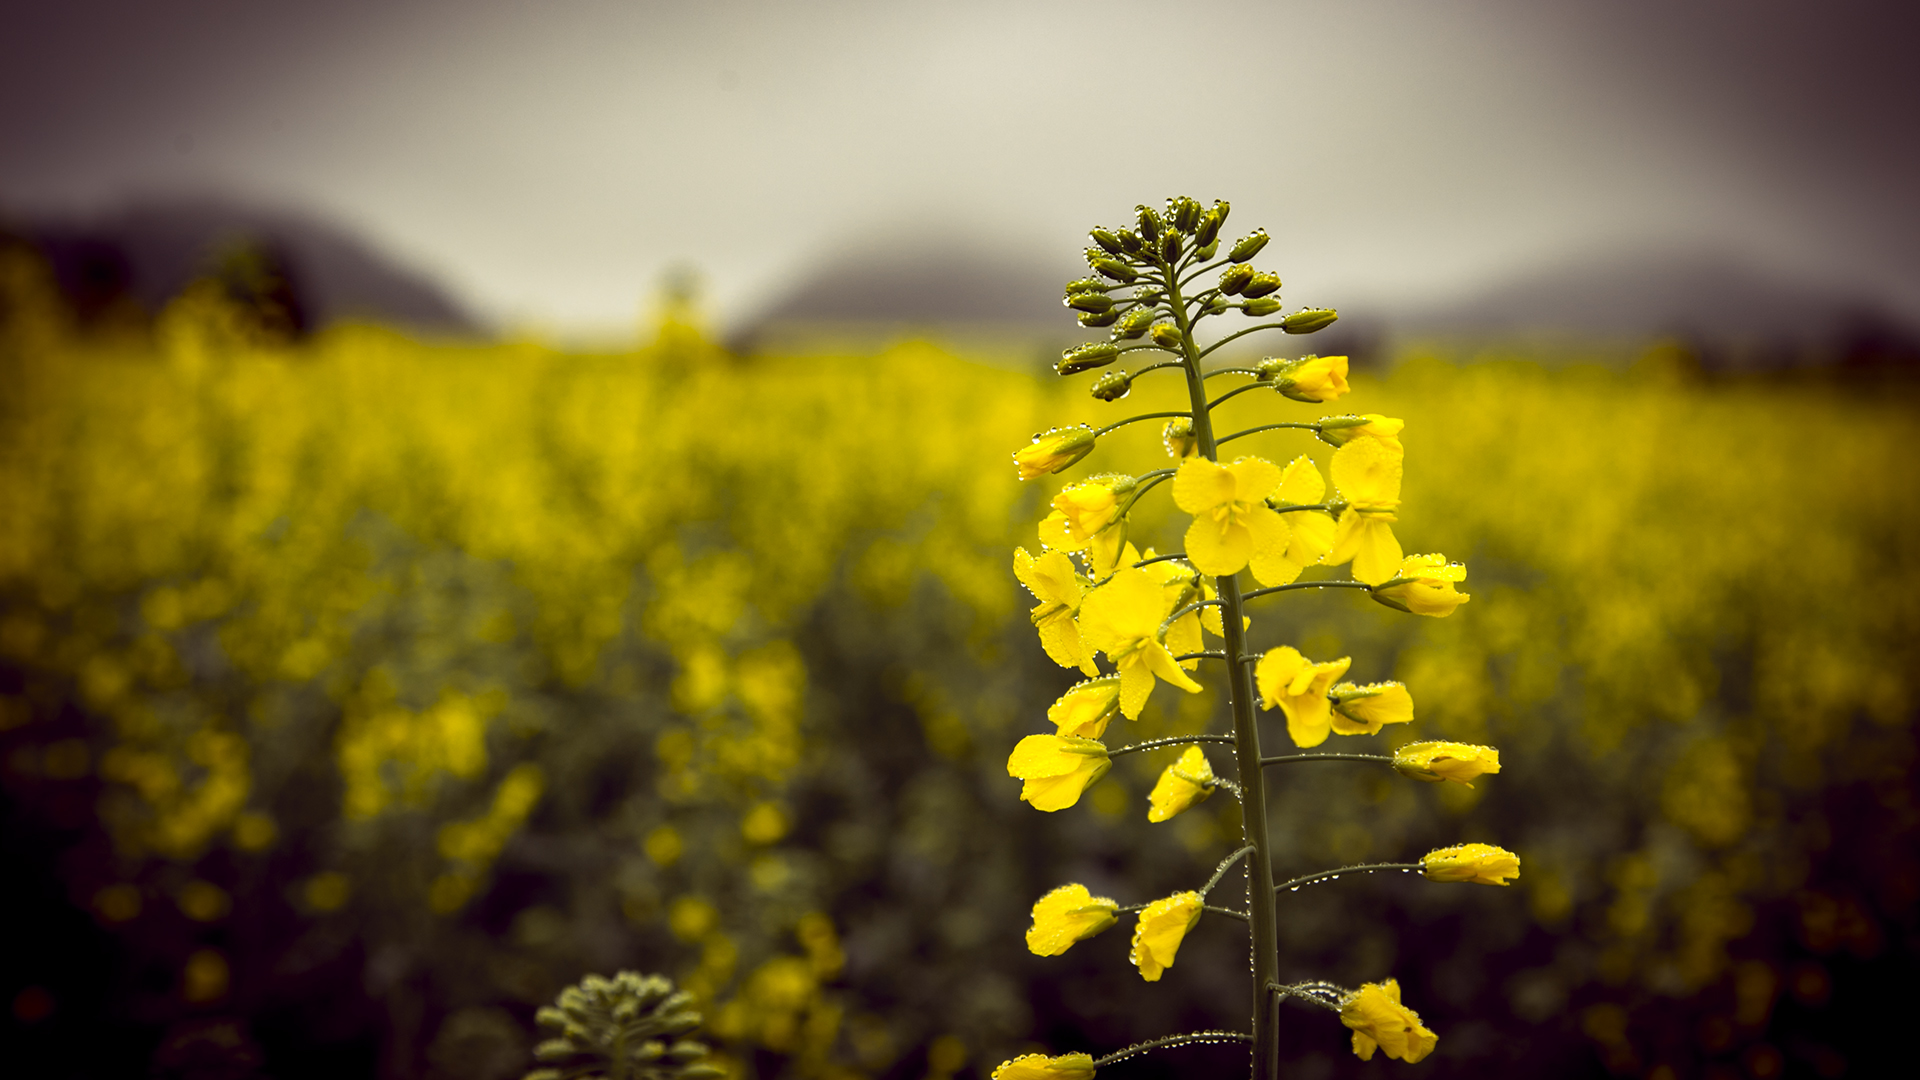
(1149, 614)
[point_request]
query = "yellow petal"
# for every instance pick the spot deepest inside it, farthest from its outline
(1042, 1067)
(1067, 915)
(1481, 864)
(1117, 616)
(1200, 485)
(1217, 548)
(1367, 471)
(1136, 683)
(1254, 479)
(1160, 662)
(1162, 926)
(1376, 556)
(1086, 708)
(1269, 556)
(1301, 483)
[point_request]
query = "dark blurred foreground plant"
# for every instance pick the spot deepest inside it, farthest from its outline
(629, 1027)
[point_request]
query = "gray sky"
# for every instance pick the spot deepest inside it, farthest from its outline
(548, 160)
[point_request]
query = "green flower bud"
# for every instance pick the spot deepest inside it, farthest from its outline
(1265, 305)
(1087, 285)
(1232, 279)
(1086, 357)
(1209, 231)
(1115, 269)
(1130, 242)
(1217, 304)
(1105, 318)
(1248, 247)
(1185, 213)
(1205, 251)
(1274, 368)
(1108, 242)
(1307, 320)
(1261, 284)
(1170, 247)
(1221, 207)
(1097, 303)
(1149, 224)
(1134, 323)
(1112, 386)
(1166, 335)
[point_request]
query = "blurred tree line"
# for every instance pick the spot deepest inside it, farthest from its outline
(361, 693)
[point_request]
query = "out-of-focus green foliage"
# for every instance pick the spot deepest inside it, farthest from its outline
(466, 670)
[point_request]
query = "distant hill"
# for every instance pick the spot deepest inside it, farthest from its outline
(148, 251)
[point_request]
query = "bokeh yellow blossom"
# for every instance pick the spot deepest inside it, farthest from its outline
(1054, 582)
(1232, 524)
(1435, 761)
(1054, 451)
(1182, 784)
(1066, 915)
(1057, 769)
(1042, 1067)
(1122, 619)
(1364, 710)
(1423, 586)
(1482, 864)
(1313, 379)
(1162, 926)
(1299, 687)
(1379, 1020)
(1340, 430)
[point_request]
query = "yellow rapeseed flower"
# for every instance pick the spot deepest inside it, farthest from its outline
(1042, 1067)
(1232, 524)
(1435, 761)
(1379, 1020)
(1364, 710)
(1087, 516)
(1163, 924)
(1054, 451)
(1086, 708)
(1299, 687)
(1310, 533)
(1057, 768)
(1068, 914)
(1482, 864)
(1122, 619)
(1423, 586)
(1367, 472)
(1052, 580)
(1313, 379)
(1181, 785)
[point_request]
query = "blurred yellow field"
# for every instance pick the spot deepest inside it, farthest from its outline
(500, 664)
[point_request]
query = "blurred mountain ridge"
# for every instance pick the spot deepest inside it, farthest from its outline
(145, 252)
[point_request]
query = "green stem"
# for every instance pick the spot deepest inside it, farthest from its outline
(1268, 427)
(1235, 392)
(1233, 371)
(1326, 875)
(1309, 585)
(1171, 740)
(1242, 333)
(1206, 654)
(1226, 864)
(1284, 758)
(1172, 1040)
(1117, 424)
(1246, 739)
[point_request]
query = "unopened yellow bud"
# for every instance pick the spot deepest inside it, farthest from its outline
(1104, 318)
(1261, 284)
(1112, 386)
(1098, 303)
(1205, 251)
(1436, 761)
(1185, 213)
(1087, 285)
(1108, 241)
(1086, 357)
(1115, 269)
(1150, 225)
(1248, 246)
(1170, 247)
(1307, 320)
(1054, 450)
(1179, 438)
(1208, 233)
(1166, 335)
(1265, 305)
(1134, 323)
(1235, 278)
(1479, 864)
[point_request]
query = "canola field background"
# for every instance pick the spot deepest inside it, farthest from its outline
(361, 693)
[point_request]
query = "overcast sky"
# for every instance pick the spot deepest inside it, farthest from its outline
(547, 161)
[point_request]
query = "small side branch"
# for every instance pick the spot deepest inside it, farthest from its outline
(1285, 758)
(1215, 403)
(1172, 1040)
(1209, 654)
(1230, 371)
(1162, 558)
(1328, 875)
(1303, 426)
(1173, 740)
(1324, 994)
(1306, 585)
(1226, 864)
(1240, 334)
(1117, 424)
